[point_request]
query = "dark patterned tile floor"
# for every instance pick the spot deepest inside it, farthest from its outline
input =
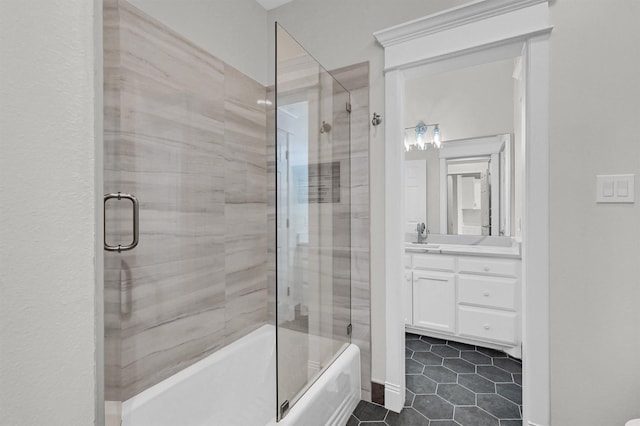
(452, 384)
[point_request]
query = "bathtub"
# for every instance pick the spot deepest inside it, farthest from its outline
(237, 386)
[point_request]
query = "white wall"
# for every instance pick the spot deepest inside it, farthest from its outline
(234, 31)
(340, 33)
(49, 116)
(469, 102)
(595, 249)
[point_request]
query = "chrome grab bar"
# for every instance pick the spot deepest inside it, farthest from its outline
(136, 232)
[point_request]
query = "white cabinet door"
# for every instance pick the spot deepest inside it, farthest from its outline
(434, 301)
(408, 297)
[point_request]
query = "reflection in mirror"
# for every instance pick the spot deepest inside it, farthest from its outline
(475, 186)
(464, 188)
(468, 196)
(483, 99)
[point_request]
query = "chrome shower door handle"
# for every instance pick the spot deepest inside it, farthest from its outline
(136, 233)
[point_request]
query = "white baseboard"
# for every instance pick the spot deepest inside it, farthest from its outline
(393, 400)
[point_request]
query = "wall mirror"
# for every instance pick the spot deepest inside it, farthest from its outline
(466, 184)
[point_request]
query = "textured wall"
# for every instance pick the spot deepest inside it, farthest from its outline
(185, 134)
(594, 253)
(49, 112)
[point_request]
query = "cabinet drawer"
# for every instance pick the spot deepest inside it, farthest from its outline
(407, 261)
(493, 292)
(490, 266)
(435, 262)
(488, 324)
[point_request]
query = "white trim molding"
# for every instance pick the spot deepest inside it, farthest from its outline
(478, 32)
(394, 395)
(394, 242)
(455, 17)
(472, 26)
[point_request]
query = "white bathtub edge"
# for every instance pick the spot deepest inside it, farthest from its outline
(129, 406)
(349, 360)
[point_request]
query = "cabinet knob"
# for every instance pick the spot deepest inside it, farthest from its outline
(487, 327)
(486, 268)
(485, 294)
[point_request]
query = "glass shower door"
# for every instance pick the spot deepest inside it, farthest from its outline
(313, 219)
(165, 300)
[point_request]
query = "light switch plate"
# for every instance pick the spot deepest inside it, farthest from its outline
(615, 188)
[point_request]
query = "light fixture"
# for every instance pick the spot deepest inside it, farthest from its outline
(416, 137)
(420, 130)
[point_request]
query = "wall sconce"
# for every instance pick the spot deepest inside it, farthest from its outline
(416, 137)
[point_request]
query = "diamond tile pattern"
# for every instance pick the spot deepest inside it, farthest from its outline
(452, 384)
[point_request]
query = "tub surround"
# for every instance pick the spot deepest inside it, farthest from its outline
(197, 280)
(169, 304)
(188, 397)
(300, 74)
(355, 78)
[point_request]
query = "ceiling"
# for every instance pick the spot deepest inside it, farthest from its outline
(272, 4)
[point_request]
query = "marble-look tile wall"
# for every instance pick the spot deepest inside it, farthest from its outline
(355, 78)
(185, 134)
(300, 74)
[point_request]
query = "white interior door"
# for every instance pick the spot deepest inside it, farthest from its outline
(415, 194)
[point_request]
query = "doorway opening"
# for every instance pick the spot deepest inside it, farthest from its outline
(470, 35)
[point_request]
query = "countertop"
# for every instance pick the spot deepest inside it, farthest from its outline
(512, 251)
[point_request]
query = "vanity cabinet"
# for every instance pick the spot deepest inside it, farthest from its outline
(473, 299)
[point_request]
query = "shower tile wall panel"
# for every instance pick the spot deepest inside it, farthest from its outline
(112, 276)
(271, 204)
(339, 142)
(184, 133)
(245, 205)
(300, 74)
(355, 78)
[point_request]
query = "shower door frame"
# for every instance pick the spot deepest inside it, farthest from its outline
(479, 32)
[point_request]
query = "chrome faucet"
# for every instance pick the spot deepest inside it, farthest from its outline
(423, 232)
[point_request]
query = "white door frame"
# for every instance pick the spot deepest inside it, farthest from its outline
(479, 32)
